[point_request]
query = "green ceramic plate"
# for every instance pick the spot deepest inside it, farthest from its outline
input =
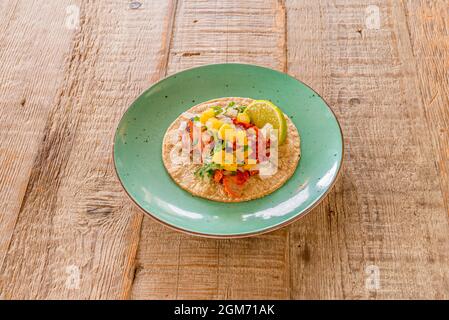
(138, 142)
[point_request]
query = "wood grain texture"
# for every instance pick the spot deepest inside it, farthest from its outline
(75, 222)
(177, 266)
(428, 29)
(228, 31)
(386, 210)
(26, 97)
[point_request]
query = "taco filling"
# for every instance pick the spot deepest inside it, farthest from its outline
(232, 145)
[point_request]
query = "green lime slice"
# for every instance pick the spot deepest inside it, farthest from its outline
(262, 112)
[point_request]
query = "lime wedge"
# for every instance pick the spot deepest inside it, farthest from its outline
(262, 112)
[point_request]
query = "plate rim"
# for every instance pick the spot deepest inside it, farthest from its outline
(298, 215)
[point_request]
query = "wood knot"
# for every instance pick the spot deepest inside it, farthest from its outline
(100, 198)
(190, 54)
(305, 253)
(354, 101)
(135, 5)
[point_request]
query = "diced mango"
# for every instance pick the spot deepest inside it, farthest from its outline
(249, 166)
(226, 128)
(206, 115)
(213, 124)
(243, 117)
(230, 167)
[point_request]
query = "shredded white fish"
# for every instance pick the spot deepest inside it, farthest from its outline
(183, 125)
(174, 137)
(175, 154)
(231, 112)
(206, 136)
(188, 115)
(224, 119)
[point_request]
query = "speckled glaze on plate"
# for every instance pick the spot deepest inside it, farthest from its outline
(138, 147)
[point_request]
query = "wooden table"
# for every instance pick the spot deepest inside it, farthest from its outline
(67, 230)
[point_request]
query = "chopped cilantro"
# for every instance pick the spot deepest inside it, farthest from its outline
(241, 108)
(207, 169)
(217, 109)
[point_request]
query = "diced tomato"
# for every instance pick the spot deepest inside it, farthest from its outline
(253, 172)
(218, 176)
(242, 177)
(190, 124)
(231, 187)
(242, 124)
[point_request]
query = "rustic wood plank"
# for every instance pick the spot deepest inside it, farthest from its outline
(177, 266)
(77, 234)
(228, 31)
(428, 30)
(30, 72)
(387, 209)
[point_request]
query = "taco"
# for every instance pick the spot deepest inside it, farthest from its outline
(199, 150)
